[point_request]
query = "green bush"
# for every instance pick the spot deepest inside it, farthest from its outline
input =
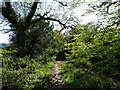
(92, 53)
(20, 73)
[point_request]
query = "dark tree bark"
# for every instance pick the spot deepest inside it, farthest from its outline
(21, 26)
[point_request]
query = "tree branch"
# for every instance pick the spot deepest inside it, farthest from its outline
(48, 18)
(110, 5)
(112, 24)
(63, 4)
(9, 13)
(105, 44)
(31, 14)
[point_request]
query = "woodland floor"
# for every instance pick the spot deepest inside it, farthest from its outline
(56, 80)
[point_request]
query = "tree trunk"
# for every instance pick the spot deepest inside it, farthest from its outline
(21, 42)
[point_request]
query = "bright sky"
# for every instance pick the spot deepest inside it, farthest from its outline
(4, 38)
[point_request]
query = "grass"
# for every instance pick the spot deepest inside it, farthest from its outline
(46, 68)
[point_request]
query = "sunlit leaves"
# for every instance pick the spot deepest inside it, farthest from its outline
(94, 50)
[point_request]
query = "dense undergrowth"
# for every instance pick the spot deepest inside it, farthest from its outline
(26, 72)
(92, 59)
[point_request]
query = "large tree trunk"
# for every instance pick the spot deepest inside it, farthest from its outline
(22, 25)
(21, 42)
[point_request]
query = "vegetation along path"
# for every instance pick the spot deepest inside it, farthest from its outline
(56, 79)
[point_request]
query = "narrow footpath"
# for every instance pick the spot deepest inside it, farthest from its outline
(56, 79)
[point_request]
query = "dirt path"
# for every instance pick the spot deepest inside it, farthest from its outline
(56, 79)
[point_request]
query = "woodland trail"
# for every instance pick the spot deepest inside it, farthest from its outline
(56, 80)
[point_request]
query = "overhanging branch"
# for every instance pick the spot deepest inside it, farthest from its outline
(110, 5)
(63, 4)
(49, 18)
(112, 24)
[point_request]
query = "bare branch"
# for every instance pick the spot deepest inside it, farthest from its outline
(43, 14)
(32, 12)
(63, 4)
(46, 13)
(48, 18)
(110, 5)
(112, 24)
